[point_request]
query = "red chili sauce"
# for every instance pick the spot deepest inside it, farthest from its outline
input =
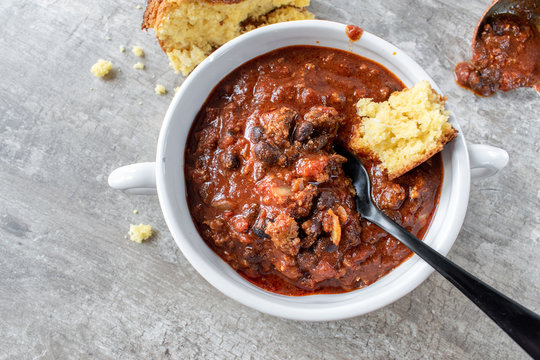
(505, 57)
(267, 192)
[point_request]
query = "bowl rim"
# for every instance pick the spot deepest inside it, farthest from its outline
(310, 307)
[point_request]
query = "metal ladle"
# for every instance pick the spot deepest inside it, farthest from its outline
(528, 10)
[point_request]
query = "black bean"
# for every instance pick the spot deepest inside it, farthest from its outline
(231, 161)
(251, 255)
(307, 261)
(266, 153)
(320, 142)
(352, 231)
(303, 131)
(257, 134)
(259, 232)
(312, 228)
(325, 201)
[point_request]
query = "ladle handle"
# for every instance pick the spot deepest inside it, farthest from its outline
(520, 323)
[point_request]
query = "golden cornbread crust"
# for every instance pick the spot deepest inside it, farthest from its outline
(404, 131)
(189, 30)
(438, 148)
(151, 13)
(154, 7)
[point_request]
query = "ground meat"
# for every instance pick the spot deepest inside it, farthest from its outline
(302, 202)
(360, 254)
(353, 231)
(318, 143)
(274, 191)
(323, 271)
(287, 266)
(387, 194)
(277, 125)
(326, 200)
(284, 234)
(240, 223)
(323, 117)
(312, 229)
(391, 197)
(307, 261)
(319, 128)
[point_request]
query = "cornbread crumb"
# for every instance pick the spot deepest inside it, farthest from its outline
(404, 131)
(188, 31)
(139, 7)
(101, 68)
(139, 66)
(139, 233)
(122, 48)
(160, 89)
(135, 211)
(137, 50)
(176, 89)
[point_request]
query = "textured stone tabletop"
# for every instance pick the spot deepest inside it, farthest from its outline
(72, 285)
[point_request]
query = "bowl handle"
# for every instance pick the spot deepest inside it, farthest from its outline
(486, 160)
(138, 179)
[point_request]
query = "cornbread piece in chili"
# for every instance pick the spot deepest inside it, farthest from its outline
(404, 131)
(189, 30)
(268, 193)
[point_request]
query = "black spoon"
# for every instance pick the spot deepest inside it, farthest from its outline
(520, 323)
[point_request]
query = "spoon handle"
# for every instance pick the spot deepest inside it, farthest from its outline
(520, 323)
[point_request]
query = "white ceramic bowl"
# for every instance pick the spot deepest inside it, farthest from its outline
(167, 174)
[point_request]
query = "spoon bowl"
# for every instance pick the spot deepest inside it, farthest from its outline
(528, 9)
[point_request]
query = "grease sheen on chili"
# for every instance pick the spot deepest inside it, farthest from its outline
(268, 194)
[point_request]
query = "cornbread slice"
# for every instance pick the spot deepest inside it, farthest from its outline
(189, 30)
(404, 131)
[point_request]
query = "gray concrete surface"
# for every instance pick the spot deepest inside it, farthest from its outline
(71, 285)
